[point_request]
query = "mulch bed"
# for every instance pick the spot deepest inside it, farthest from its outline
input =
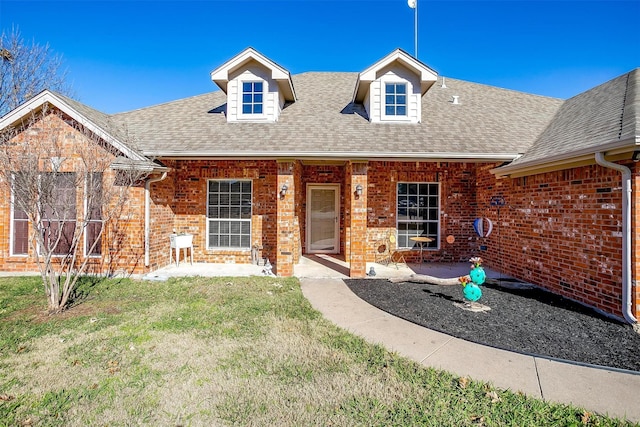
(530, 321)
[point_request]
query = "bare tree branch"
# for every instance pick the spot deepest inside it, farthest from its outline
(26, 69)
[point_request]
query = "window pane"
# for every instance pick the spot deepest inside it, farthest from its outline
(401, 111)
(233, 207)
(257, 98)
(400, 88)
(390, 111)
(246, 87)
(257, 109)
(93, 230)
(389, 88)
(20, 237)
(417, 213)
(257, 87)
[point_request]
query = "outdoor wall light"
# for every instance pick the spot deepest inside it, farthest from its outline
(358, 190)
(283, 190)
(636, 155)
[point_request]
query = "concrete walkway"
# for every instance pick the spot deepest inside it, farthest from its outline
(609, 392)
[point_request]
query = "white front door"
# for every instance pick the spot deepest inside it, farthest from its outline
(323, 224)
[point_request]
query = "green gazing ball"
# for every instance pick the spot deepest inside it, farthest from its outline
(478, 276)
(472, 292)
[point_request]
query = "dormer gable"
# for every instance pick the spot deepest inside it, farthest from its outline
(391, 90)
(256, 87)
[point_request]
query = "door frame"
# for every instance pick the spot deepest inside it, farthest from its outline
(336, 188)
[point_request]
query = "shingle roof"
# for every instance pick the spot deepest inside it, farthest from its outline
(600, 118)
(488, 123)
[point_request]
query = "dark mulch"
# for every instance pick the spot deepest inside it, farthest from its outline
(530, 321)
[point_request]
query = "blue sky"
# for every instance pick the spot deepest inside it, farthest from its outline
(123, 55)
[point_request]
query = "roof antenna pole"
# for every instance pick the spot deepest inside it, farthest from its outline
(413, 4)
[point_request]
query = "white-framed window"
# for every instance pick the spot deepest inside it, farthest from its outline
(395, 99)
(252, 98)
(93, 211)
(418, 213)
(19, 225)
(229, 214)
(58, 210)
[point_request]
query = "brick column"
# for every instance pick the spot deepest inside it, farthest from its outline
(285, 219)
(357, 232)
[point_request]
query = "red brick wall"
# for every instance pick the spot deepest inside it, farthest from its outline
(560, 230)
(457, 205)
(122, 247)
(181, 199)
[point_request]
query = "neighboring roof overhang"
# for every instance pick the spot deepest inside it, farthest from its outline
(426, 74)
(220, 76)
(46, 97)
(618, 150)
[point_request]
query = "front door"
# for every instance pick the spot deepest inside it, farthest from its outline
(323, 225)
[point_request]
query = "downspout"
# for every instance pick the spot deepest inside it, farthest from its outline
(626, 234)
(147, 214)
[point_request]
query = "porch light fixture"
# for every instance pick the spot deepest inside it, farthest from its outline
(358, 190)
(283, 190)
(636, 156)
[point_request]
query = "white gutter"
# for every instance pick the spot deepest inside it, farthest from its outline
(147, 214)
(626, 234)
(339, 155)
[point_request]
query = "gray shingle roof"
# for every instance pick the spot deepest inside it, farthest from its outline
(488, 123)
(600, 118)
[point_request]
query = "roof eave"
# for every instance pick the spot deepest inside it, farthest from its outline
(47, 97)
(567, 160)
(319, 155)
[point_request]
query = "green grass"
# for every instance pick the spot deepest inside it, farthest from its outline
(224, 351)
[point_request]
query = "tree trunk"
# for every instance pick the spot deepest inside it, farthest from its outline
(431, 280)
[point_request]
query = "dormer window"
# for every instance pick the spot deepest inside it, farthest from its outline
(395, 99)
(252, 97)
(391, 90)
(257, 88)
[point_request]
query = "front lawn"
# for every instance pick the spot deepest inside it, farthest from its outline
(224, 351)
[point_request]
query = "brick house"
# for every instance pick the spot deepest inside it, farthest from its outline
(328, 162)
